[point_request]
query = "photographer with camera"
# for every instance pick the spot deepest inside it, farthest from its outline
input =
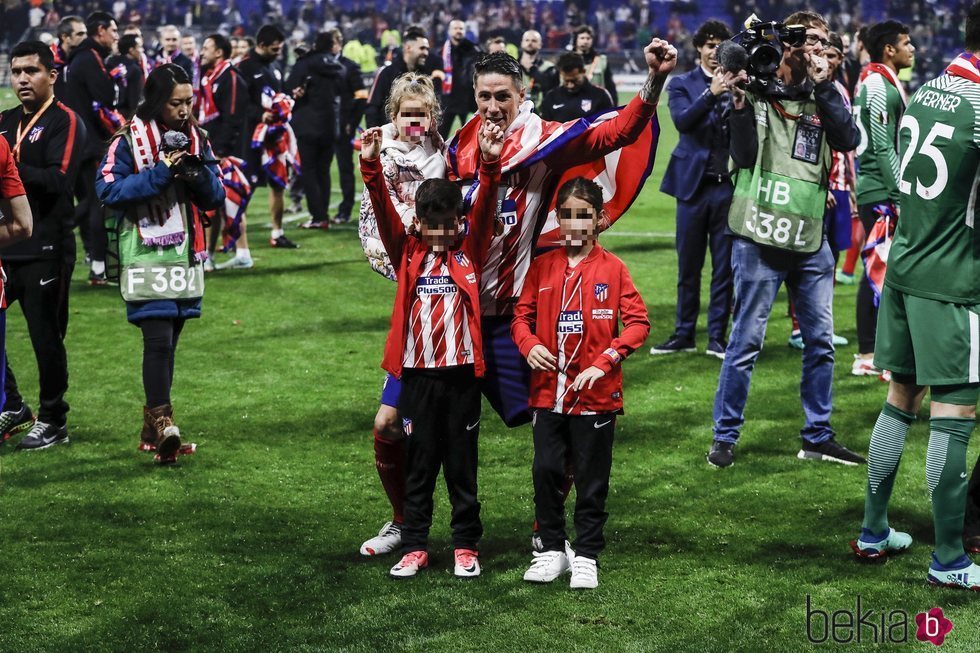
(157, 179)
(786, 118)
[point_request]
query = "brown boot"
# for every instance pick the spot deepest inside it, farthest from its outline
(148, 436)
(165, 432)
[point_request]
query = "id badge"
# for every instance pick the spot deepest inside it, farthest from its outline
(806, 145)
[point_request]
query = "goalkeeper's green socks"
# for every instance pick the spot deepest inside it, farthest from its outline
(884, 455)
(947, 480)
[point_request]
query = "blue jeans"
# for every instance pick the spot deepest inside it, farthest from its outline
(758, 274)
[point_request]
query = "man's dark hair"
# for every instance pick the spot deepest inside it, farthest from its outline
(711, 29)
(882, 34)
(159, 87)
(250, 40)
(98, 20)
(862, 36)
(222, 43)
(499, 63)
(269, 34)
(324, 42)
(583, 29)
(414, 33)
(972, 29)
(437, 196)
(836, 42)
(126, 43)
(571, 62)
(29, 48)
(67, 25)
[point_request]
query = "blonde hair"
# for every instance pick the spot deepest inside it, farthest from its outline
(414, 86)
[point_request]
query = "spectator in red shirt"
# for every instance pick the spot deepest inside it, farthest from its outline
(566, 324)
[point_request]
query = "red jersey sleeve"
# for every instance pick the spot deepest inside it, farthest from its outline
(390, 226)
(526, 312)
(636, 324)
(483, 212)
(10, 184)
(611, 135)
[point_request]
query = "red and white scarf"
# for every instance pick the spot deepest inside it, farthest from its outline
(238, 192)
(967, 66)
(276, 139)
(888, 74)
(207, 108)
(159, 221)
(447, 67)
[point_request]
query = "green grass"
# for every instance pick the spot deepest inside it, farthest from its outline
(251, 545)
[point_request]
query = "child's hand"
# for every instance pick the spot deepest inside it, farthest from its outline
(539, 358)
(589, 375)
(371, 144)
(491, 141)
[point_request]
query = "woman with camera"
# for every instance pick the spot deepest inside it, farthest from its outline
(157, 179)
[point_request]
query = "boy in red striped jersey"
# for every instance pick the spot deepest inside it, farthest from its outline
(566, 324)
(435, 345)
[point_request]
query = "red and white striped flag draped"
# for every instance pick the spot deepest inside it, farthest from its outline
(238, 192)
(621, 173)
(276, 139)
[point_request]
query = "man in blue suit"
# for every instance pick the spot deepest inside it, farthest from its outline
(698, 177)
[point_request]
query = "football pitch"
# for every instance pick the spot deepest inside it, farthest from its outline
(252, 544)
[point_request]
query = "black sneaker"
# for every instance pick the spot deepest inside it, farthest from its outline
(282, 243)
(673, 345)
(42, 436)
(14, 421)
(721, 454)
(97, 279)
(831, 451)
(717, 349)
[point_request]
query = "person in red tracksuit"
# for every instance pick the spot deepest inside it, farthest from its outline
(566, 324)
(435, 345)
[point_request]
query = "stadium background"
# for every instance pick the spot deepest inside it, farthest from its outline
(252, 544)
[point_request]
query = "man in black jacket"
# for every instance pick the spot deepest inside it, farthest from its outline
(352, 101)
(131, 84)
(222, 107)
(458, 55)
(46, 138)
(93, 95)
(71, 32)
(575, 97)
(415, 52)
(170, 52)
(260, 71)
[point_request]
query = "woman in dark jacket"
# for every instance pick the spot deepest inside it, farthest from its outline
(157, 178)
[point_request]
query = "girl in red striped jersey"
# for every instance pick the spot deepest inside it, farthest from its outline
(566, 324)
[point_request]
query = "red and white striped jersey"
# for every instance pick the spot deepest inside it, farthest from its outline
(570, 329)
(842, 163)
(438, 327)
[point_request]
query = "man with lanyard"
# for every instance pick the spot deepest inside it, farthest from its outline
(878, 110)
(222, 103)
(71, 32)
(415, 52)
(698, 177)
(260, 72)
(46, 139)
(928, 328)
(596, 65)
(93, 95)
(540, 76)
(782, 131)
(537, 156)
(458, 54)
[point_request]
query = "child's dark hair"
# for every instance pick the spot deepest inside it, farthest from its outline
(583, 189)
(437, 196)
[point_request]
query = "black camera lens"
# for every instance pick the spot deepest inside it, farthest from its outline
(764, 59)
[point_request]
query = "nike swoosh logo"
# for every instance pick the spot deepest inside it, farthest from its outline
(45, 282)
(963, 475)
(545, 288)
(597, 425)
(3, 132)
(557, 106)
(257, 76)
(470, 427)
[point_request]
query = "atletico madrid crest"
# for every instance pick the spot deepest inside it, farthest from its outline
(35, 134)
(462, 260)
(407, 426)
(601, 292)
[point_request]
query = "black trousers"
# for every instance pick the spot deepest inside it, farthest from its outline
(160, 337)
(441, 415)
(41, 288)
(345, 170)
(316, 153)
(866, 312)
(590, 438)
(89, 212)
(971, 526)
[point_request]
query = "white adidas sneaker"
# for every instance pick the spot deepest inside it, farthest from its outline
(388, 539)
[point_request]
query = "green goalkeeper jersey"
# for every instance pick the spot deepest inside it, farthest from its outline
(936, 250)
(877, 110)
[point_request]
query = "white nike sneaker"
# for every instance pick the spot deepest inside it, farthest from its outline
(410, 564)
(585, 574)
(546, 567)
(236, 263)
(467, 563)
(388, 539)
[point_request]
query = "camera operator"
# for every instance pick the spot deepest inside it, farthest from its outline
(782, 131)
(159, 177)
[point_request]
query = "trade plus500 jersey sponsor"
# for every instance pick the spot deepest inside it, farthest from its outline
(570, 322)
(441, 285)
